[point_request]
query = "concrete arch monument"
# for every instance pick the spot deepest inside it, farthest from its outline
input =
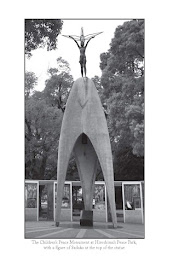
(84, 131)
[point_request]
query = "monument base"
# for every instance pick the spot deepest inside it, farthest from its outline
(86, 218)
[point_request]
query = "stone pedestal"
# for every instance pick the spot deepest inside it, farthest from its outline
(86, 218)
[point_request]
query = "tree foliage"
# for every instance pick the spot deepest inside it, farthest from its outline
(40, 33)
(126, 54)
(122, 90)
(43, 117)
(98, 85)
(42, 130)
(30, 83)
(59, 84)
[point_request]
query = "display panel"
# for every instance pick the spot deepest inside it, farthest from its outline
(30, 195)
(65, 198)
(31, 201)
(99, 203)
(132, 196)
(132, 202)
(99, 197)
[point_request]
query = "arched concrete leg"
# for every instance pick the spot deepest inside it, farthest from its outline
(103, 151)
(65, 149)
(86, 160)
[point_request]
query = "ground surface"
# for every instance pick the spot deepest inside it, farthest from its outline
(72, 230)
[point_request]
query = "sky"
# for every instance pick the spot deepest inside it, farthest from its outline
(42, 59)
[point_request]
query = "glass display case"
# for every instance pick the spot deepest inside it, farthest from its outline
(99, 203)
(132, 202)
(31, 200)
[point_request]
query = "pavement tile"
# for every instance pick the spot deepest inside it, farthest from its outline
(72, 230)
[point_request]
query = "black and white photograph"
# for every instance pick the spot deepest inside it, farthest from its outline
(86, 140)
(84, 129)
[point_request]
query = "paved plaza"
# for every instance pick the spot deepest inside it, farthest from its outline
(73, 230)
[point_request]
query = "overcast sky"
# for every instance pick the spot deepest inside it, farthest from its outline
(42, 60)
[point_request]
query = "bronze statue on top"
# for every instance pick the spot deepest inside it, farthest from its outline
(82, 47)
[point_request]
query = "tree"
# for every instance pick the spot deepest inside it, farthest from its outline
(42, 130)
(127, 49)
(123, 91)
(43, 117)
(40, 33)
(59, 84)
(98, 85)
(30, 82)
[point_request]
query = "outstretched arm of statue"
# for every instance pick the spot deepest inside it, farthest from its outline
(89, 40)
(75, 41)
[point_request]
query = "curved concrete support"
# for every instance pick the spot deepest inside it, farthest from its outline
(103, 151)
(65, 150)
(70, 131)
(84, 114)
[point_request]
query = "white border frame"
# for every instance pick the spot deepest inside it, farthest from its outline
(142, 209)
(106, 204)
(71, 202)
(123, 202)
